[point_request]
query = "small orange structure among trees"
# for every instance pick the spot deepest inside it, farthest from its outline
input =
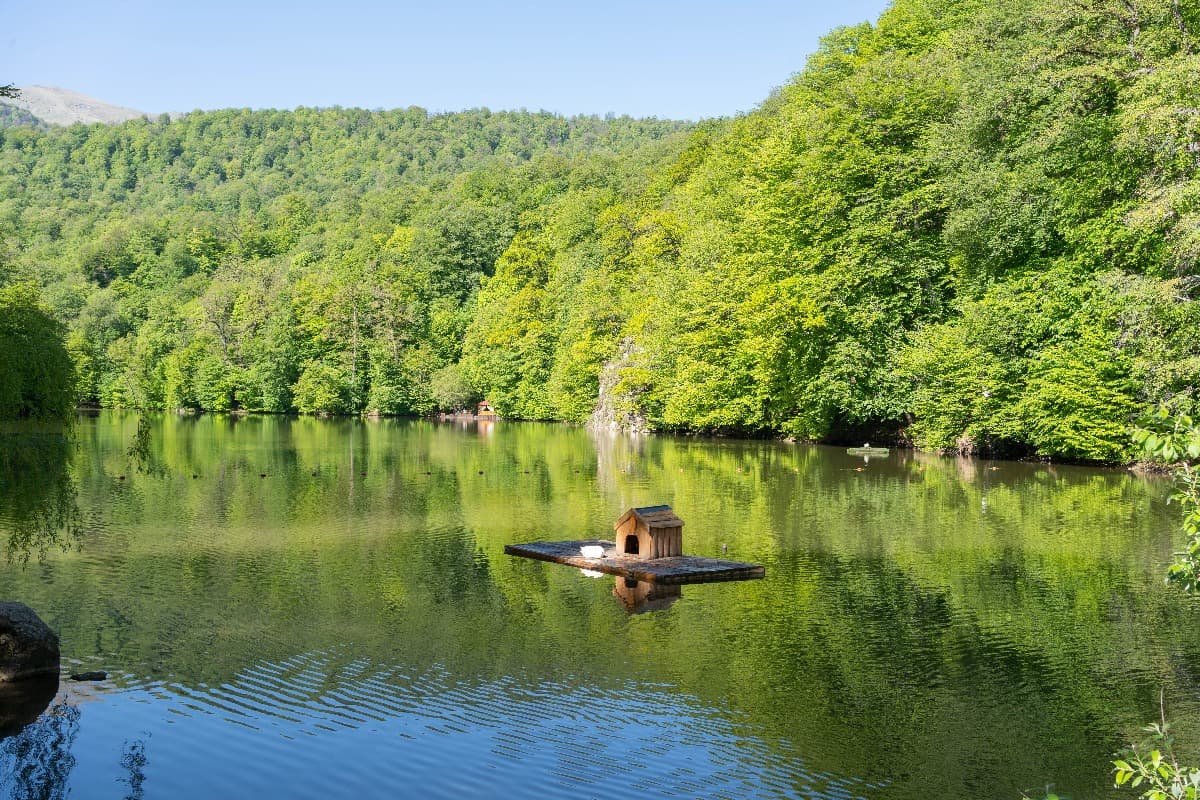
(485, 411)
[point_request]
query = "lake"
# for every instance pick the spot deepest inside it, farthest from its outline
(318, 608)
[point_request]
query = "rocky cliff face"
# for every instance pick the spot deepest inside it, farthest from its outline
(617, 408)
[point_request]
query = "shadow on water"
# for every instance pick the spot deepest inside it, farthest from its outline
(38, 495)
(22, 702)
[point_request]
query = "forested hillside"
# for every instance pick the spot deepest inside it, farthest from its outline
(975, 223)
(972, 224)
(313, 260)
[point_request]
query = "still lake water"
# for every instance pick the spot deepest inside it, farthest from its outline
(349, 626)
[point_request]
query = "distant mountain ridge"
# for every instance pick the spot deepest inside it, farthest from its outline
(65, 107)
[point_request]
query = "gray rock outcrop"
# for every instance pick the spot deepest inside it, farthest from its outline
(65, 107)
(28, 648)
(617, 405)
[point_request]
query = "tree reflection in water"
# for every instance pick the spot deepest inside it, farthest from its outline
(37, 762)
(141, 450)
(38, 495)
(133, 760)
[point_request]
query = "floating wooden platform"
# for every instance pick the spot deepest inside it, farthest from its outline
(867, 451)
(673, 569)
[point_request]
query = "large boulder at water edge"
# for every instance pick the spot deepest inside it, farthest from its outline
(28, 648)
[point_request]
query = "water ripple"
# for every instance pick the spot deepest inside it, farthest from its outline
(385, 729)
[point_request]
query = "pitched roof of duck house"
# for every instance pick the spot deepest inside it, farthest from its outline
(652, 516)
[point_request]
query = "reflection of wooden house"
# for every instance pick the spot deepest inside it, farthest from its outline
(485, 411)
(641, 596)
(649, 532)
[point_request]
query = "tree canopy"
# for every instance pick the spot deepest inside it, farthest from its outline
(971, 225)
(37, 377)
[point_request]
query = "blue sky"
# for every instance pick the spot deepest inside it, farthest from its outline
(668, 59)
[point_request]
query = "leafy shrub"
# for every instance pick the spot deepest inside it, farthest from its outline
(37, 376)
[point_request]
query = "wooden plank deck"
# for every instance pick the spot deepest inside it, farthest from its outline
(675, 569)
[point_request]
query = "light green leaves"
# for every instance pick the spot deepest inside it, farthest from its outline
(37, 377)
(1173, 441)
(1152, 767)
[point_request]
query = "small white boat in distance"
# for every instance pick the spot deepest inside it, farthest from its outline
(592, 551)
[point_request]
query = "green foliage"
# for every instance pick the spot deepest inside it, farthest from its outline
(11, 115)
(969, 226)
(322, 389)
(1174, 441)
(38, 492)
(450, 389)
(1033, 364)
(1152, 767)
(310, 260)
(1078, 401)
(944, 241)
(37, 376)
(506, 347)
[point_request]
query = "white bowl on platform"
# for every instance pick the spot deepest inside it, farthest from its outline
(592, 551)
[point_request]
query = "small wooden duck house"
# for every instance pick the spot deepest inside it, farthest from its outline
(485, 411)
(649, 532)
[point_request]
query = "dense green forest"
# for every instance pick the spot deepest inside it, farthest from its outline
(313, 260)
(970, 225)
(37, 376)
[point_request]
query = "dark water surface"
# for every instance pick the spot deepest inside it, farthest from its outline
(349, 625)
